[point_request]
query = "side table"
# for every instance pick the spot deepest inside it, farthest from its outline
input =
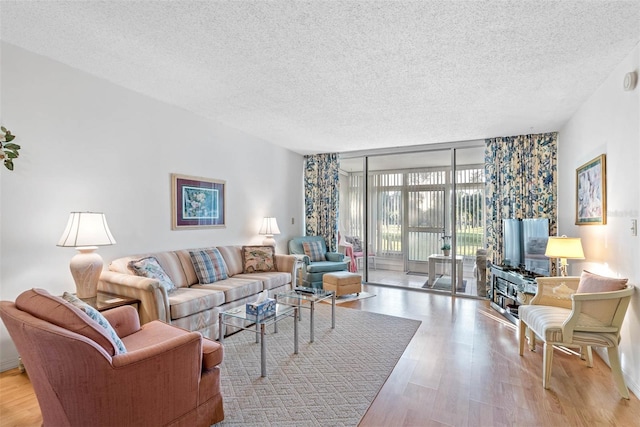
(106, 301)
(442, 259)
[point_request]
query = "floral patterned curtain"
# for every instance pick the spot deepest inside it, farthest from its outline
(520, 174)
(321, 193)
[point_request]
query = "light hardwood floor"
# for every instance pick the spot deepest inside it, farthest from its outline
(462, 368)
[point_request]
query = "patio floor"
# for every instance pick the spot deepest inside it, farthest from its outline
(413, 280)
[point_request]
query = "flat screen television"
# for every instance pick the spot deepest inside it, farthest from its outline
(512, 250)
(525, 242)
(535, 234)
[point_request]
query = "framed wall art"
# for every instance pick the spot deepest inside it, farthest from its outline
(591, 192)
(197, 202)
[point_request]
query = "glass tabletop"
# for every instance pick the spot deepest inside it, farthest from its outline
(305, 294)
(241, 313)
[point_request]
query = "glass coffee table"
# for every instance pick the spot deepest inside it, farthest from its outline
(282, 312)
(307, 298)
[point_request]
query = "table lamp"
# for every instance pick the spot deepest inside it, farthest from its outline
(564, 248)
(268, 229)
(86, 231)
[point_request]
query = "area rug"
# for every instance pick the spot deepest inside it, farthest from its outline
(330, 382)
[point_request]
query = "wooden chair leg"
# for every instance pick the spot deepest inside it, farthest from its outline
(589, 357)
(522, 336)
(547, 360)
(583, 352)
(532, 340)
(616, 370)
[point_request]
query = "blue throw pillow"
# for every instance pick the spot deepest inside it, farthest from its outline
(150, 267)
(98, 317)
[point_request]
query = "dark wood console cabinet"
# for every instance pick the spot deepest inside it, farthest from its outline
(509, 289)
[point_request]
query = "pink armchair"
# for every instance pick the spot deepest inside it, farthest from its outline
(167, 376)
(351, 247)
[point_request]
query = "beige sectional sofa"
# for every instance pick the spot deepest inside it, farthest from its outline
(194, 306)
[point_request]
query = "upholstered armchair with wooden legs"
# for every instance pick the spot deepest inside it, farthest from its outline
(83, 375)
(312, 250)
(563, 314)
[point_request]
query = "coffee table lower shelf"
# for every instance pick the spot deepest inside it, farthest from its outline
(282, 312)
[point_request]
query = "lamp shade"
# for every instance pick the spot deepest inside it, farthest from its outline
(86, 229)
(269, 227)
(564, 247)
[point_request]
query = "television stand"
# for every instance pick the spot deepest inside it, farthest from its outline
(509, 289)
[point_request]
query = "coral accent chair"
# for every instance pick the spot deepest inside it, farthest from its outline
(562, 314)
(166, 377)
(353, 246)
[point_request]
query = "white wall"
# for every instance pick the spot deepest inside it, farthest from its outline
(608, 122)
(89, 145)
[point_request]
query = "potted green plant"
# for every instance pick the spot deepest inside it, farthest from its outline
(8, 150)
(446, 246)
(446, 249)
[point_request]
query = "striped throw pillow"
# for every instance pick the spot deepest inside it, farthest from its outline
(314, 250)
(209, 265)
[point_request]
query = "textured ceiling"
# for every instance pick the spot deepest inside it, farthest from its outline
(324, 76)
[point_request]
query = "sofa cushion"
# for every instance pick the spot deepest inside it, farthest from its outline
(98, 317)
(325, 266)
(270, 280)
(187, 301)
(234, 288)
(314, 250)
(212, 352)
(205, 322)
(258, 258)
(590, 283)
(150, 267)
(209, 265)
(53, 309)
(233, 258)
(547, 322)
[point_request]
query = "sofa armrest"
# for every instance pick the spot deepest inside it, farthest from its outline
(164, 376)
(334, 256)
(555, 291)
(189, 341)
(285, 263)
(154, 301)
(123, 319)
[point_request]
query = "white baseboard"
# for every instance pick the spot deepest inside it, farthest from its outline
(7, 365)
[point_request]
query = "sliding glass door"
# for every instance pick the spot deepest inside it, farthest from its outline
(468, 221)
(416, 217)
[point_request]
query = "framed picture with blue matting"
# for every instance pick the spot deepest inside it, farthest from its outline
(197, 202)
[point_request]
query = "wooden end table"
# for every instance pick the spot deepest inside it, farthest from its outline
(106, 301)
